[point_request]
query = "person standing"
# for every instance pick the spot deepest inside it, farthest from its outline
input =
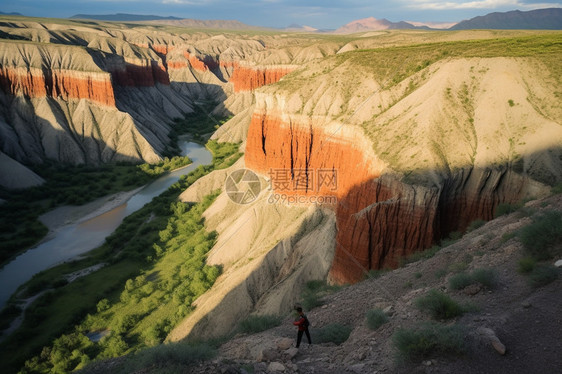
(302, 323)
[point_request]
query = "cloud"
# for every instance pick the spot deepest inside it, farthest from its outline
(479, 4)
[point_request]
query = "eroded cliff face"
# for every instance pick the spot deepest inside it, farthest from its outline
(379, 218)
(437, 177)
(34, 82)
(249, 78)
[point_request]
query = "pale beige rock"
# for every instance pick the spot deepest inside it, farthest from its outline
(284, 344)
(14, 175)
(275, 367)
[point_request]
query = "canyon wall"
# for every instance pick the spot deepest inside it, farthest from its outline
(379, 218)
(249, 78)
(33, 82)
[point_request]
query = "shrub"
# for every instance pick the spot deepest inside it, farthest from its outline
(439, 305)
(421, 255)
(169, 355)
(556, 189)
(505, 208)
(486, 277)
(542, 238)
(460, 281)
(428, 339)
(440, 273)
(376, 318)
(475, 225)
(255, 324)
(543, 275)
(526, 265)
(312, 295)
(458, 267)
(333, 333)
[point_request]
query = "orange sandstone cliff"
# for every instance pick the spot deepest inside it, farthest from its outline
(379, 218)
(248, 78)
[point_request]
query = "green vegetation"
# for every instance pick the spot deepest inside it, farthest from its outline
(314, 292)
(254, 324)
(543, 274)
(200, 124)
(68, 185)
(476, 224)
(376, 318)
(428, 339)
(556, 189)
(486, 277)
(453, 237)
(332, 333)
(165, 358)
(155, 268)
(420, 255)
(542, 238)
(504, 208)
(526, 265)
(439, 305)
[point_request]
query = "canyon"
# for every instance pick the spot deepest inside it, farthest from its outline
(412, 135)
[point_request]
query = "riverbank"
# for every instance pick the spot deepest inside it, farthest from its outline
(71, 214)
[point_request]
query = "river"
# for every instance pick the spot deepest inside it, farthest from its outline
(76, 239)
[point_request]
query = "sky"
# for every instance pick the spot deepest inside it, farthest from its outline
(325, 14)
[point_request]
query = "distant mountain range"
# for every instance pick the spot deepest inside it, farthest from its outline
(122, 17)
(172, 21)
(373, 24)
(540, 19)
(11, 14)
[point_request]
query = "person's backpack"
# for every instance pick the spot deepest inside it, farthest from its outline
(306, 322)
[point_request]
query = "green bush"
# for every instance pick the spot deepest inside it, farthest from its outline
(376, 318)
(486, 277)
(460, 281)
(255, 324)
(333, 333)
(543, 237)
(543, 275)
(556, 189)
(439, 305)
(169, 355)
(428, 339)
(421, 255)
(475, 225)
(505, 208)
(526, 265)
(313, 293)
(440, 273)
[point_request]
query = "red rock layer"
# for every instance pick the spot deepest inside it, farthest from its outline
(64, 84)
(379, 219)
(248, 79)
(306, 156)
(378, 222)
(194, 61)
(146, 75)
(162, 49)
